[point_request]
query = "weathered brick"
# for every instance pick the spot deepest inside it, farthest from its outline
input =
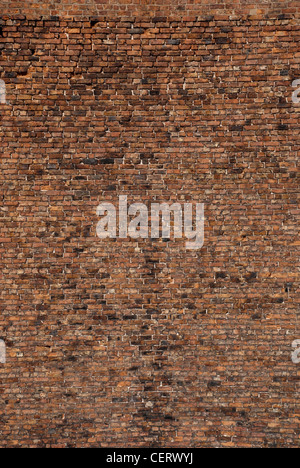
(142, 343)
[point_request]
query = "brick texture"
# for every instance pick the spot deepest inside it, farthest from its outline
(84, 8)
(114, 343)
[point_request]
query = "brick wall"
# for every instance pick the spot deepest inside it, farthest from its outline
(143, 343)
(178, 8)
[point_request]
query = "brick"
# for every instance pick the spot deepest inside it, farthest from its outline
(142, 343)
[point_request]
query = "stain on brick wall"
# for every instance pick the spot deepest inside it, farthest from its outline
(142, 343)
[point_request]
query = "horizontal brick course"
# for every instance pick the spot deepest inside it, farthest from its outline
(157, 8)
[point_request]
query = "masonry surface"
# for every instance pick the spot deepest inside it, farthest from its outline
(124, 343)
